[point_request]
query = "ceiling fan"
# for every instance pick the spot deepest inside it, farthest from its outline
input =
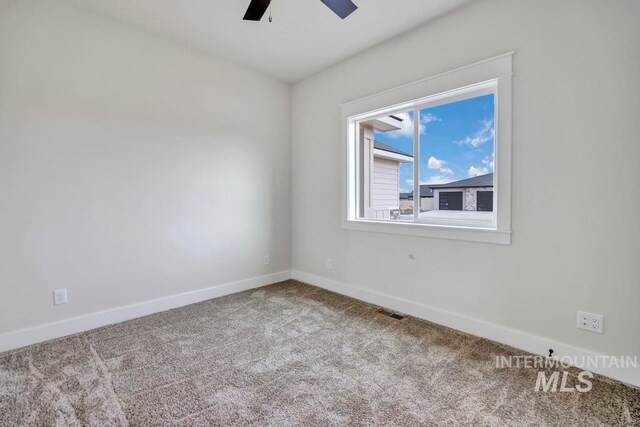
(257, 8)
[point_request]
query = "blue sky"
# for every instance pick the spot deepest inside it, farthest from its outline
(456, 141)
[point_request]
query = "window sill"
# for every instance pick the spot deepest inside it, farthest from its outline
(471, 234)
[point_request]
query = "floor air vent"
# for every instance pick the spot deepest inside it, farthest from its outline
(393, 314)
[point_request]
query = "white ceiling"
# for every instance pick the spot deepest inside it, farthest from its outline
(304, 37)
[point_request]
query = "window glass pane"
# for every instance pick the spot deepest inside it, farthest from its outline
(457, 160)
(386, 167)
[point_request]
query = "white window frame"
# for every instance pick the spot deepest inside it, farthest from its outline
(494, 76)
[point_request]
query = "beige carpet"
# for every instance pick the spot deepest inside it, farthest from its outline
(287, 354)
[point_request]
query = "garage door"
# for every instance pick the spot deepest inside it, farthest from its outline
(451, 201)
(485, 201)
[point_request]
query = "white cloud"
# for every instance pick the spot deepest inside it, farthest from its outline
(409, 187)
(474, 171)
(434, 163)
(428, 118)
(448, 171)
(484, 134)
(406, 129)
(436, 179)
(489, 161)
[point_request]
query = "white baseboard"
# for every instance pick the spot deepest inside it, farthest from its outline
(23, 337)
(511, 337)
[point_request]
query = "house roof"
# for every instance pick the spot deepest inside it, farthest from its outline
(384, 147)
(426, 190)
(476, 181)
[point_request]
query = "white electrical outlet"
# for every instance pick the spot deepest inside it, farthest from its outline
(266, 260)
(60, 296)
(590, 322)
(329, 264)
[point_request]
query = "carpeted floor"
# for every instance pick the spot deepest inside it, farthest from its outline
(287, 354)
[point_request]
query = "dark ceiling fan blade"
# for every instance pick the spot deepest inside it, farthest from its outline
(342, 8)
(256, 9)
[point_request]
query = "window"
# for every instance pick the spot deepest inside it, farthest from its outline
(429, 158)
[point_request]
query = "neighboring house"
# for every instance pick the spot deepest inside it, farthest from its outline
(380, 170)
(471, 194)
(426, 200)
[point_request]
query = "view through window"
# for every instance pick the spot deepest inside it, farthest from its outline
(453, 170)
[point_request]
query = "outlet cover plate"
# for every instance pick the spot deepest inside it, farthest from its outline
(60, 296)
(590, 322)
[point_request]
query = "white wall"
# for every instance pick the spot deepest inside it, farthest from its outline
(575, 136)
(130, 168)
(426, 204)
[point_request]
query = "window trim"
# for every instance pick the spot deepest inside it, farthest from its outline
(493, 74)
